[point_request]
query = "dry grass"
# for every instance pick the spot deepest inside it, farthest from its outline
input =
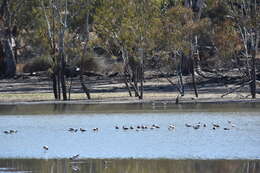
(118, 96)
(109, 91)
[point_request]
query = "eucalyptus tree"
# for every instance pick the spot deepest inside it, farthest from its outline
(56, 16)
(9, 10)
(246, 16)
(179, 33)
(124, 26)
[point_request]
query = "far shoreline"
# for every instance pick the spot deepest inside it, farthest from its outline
(144, 101)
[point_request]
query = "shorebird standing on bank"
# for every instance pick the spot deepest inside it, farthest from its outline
(75, 157)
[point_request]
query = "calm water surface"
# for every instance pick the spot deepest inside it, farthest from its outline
(183, 149)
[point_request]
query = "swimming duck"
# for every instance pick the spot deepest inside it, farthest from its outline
(95, 129)
(116, 127)
(196, 126)
(215, 125)
(156, 126)
(171, 127)
(13, 131)
(10, 131)
(144, 127)
(6, 132)
(82, 130)
(72, 130)
(45, 147)
(188, 125)
(226, 128)
(125, 128)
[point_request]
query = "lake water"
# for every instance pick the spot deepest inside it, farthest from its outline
(234, 146)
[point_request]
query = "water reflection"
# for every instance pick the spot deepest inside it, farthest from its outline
(59, 108)
(129, 166)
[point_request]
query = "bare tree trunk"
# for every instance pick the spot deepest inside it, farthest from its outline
(9, 61)
(254, 43)
(126, 84)
(58, 83)
(142, 74)
(63, 80)
(54, 86)
(82, 69)
(135, 81)
(70, 87)
(131, 73)
(192, 56)
(1, 60)
(193, 78)
(180, 77)
(85, 89)
(141, 83)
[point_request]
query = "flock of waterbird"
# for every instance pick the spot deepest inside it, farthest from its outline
(171, 127)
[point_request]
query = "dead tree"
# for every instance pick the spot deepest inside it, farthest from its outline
(246, 14)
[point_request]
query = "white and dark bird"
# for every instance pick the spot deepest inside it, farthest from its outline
(13, 131)
(226, 128)
(45, 147)
(196, 126)
(72, 130)
(95, 129)
(188, 125)
(75, 157)
(82, 130)
(6, 132)
(75, 168)
(215, 125)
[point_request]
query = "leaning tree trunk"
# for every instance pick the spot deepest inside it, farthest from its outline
(85, 89)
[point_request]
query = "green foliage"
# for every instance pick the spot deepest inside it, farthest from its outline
(160, 27)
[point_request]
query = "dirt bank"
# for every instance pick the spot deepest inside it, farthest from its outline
(112, 90)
